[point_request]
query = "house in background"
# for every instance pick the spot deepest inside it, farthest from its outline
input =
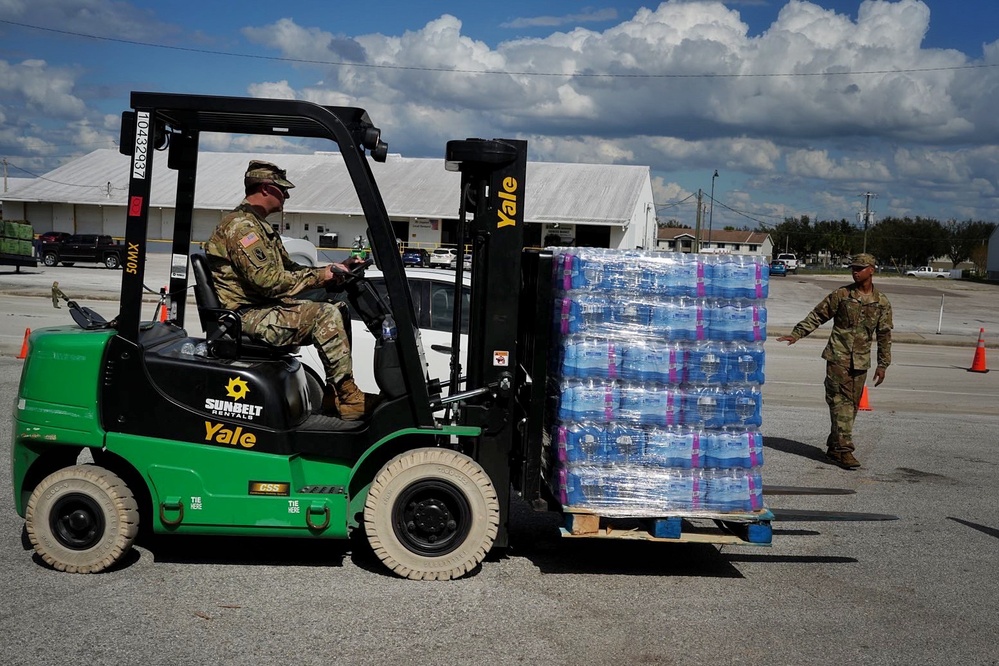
(755, 243)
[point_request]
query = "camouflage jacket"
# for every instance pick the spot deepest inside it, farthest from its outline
(250, 265)
(858, 320)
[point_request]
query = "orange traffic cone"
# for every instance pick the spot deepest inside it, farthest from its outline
(978, 364)
(24, 345)
(864, 406)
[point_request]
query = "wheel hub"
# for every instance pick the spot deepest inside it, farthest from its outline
(77, 521)
(432, 517)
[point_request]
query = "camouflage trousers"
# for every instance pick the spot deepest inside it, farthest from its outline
(844, 387)
(304, 323)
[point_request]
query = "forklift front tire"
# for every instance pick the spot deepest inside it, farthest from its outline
(82, 519)
(431, 514)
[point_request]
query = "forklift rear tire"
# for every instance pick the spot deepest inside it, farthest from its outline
(431, 514)
(82, 519)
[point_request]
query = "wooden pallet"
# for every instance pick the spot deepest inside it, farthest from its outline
(724, 528)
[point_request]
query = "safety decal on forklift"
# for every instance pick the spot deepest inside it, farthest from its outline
(501, 359)
(178, 266)
(135, 206)
(280, 488)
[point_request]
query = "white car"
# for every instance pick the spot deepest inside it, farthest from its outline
(433, 301)
(442, 257)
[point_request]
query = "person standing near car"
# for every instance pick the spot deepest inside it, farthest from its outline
(860, 314)
(254, 275)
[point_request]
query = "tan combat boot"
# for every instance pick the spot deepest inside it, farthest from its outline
(353, 403)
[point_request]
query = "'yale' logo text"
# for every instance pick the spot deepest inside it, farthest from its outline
(508, 203)
(217, 432)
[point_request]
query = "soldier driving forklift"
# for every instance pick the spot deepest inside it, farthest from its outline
(234, 442)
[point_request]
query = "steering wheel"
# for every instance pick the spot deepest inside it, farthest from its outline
(356, 272)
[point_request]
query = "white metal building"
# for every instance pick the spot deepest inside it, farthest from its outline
(590, 204)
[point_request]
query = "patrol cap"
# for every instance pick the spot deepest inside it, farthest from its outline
(265, 172)
(863, 260)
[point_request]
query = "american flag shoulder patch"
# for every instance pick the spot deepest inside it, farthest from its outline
(249, 239)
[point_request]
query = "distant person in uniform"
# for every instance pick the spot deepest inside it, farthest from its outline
(56, 295)
(253, 274)
(860, 314)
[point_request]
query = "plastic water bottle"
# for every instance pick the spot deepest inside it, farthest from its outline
(583, 443)
(743, 405)
(625, 443)
(187, 349)
(595, 401)
(745, 363)
(389, 330)
(596, 357)
(671, 447)
(704, 406)
(707, 364)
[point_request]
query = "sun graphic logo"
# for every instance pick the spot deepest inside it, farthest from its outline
(237, 388)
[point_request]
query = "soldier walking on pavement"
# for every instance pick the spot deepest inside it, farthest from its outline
(860, 314)
(56, 295)
(254, 275)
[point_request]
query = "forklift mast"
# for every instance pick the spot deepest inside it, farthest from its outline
(493, 177)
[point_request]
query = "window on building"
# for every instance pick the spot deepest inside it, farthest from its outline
(753, 247)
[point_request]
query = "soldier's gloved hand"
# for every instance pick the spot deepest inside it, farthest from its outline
(337, 273)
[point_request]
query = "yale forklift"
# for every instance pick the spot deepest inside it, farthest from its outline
(231, 440)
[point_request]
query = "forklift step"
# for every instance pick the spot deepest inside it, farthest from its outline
(718, 528)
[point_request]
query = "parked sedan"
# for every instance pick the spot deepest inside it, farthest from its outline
(415, 256)
(778, 268)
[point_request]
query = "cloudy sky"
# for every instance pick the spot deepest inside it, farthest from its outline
(801, 107)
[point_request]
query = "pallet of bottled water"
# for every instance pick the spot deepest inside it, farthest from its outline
(657, 365)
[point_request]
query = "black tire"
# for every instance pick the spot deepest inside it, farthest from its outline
(82, 519)
(50, 259)
(431, 514)
(111, 261)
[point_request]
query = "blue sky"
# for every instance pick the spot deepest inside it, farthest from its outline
(801, 106)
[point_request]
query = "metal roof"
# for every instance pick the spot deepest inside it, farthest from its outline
(411, 187)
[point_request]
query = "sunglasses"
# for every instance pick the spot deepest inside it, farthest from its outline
(283, 190)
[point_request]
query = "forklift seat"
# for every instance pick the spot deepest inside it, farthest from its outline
(223, 327)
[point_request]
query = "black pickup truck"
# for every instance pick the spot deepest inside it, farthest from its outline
(94, 248)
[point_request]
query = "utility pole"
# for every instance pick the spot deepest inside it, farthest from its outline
(711, 209)
(867, 214)
(5, 174)
(697, 225)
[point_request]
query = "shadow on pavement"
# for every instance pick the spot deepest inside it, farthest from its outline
(795, 447)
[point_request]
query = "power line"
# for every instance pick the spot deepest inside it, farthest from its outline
(59, 182)
(343, 63)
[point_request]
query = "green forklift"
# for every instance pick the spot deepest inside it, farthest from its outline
(221, 434)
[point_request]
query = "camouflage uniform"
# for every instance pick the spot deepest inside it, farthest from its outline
(56, 295)
(253, 274)
(858, 319)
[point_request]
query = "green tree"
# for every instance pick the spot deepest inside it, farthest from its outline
(965, 237)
